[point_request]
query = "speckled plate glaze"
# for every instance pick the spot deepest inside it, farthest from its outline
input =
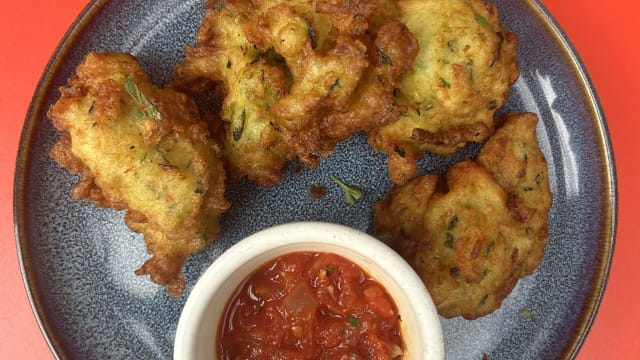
(78, 260)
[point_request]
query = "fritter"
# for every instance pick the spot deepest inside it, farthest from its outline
(462, 73)
(249, 82)
(514, 159)
(327, 82)
(144, 150)
(297, 76)
(473, 233)
(372, 105)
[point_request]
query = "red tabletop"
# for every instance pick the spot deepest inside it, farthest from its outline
(605, 36)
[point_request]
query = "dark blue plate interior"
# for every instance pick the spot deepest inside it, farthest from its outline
(78, 260)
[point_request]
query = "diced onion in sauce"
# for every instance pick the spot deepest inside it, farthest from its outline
(308, 305)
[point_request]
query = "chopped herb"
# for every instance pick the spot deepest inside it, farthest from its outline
(527, 314)
(484, 273)
(144, 105)
(490, 247)
(483, 300)
(92, 107)
(329, 269)
(527, 188)
(481, 20)
(335, 84)
(451, 44)
(352, 194)
(311, 31)
(239, 129)
(199, 187)
(453, 223)
(353, 321)
(444, 83)
(228, 64)
(383, 57)
(448, 242)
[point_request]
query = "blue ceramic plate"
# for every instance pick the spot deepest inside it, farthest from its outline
(78, 260)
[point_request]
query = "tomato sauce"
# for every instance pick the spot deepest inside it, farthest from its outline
(308, 305)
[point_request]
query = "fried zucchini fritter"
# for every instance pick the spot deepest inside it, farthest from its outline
(372, 104)
(298, 76)
(518, 165)
(144, 150)
(249, 82)
(472, 234)
(326, 83)
(461, 75)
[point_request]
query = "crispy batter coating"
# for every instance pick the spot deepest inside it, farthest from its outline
(327, 82)
(144, 150)
(298, 76)
(249, 82)
(461, 75)
(517, 164)
(372, 105)
(473, 233)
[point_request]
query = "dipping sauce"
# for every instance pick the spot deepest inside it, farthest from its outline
(308, 305)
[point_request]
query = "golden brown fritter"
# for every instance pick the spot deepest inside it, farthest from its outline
(142, 149)
(297, 76)
(372, 104)
(473, 233)
(461, 75)
(517, 164)
(327, 82)
(347, 80)
(249, 83)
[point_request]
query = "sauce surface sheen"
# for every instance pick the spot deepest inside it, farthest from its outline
(309, 305)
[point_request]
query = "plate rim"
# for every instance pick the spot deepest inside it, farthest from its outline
(608, 237)
(93, 9)
(43, 320)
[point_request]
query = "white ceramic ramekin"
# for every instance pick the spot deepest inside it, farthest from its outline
(199, 322)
